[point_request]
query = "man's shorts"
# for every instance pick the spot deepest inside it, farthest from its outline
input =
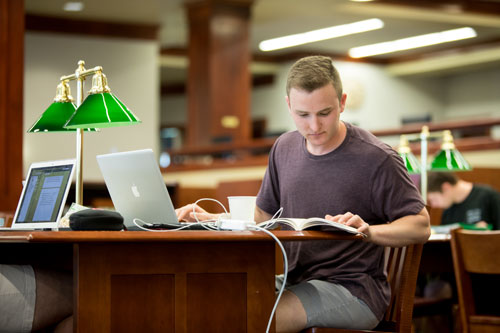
(17, 298)
(331, 305)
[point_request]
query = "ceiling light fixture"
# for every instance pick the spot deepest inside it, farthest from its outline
(320, 34)
(73, 6)
(412, 42)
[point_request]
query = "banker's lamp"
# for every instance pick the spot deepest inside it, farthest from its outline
(411, 162)
(100, 109)
(447, 159)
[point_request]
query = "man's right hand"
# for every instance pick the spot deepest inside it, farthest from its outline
(186, 214)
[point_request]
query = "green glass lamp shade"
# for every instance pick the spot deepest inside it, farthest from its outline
(101, 110)
(54, 118)
(411, 163)
(449, 160)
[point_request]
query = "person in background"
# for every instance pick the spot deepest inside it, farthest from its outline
(463, 201)
(328, 167)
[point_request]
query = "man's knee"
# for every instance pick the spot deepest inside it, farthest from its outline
(290, 314)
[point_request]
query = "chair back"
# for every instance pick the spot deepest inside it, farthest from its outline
(402, 271)
(476, 253)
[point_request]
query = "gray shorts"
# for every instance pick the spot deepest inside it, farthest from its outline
(331, 305)
(17, 298)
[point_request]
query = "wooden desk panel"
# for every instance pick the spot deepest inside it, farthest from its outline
(204, 286)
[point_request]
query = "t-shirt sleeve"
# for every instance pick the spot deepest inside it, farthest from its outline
(394, 195)
(268, 198)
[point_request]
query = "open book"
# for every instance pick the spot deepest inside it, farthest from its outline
(301, 224)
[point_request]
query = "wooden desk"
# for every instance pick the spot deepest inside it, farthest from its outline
(436, 255)
(183, 281)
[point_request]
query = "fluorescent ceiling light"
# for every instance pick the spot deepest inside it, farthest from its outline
(73, 6)
(412, 42)
(320, 34)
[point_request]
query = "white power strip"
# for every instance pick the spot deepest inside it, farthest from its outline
(228, 224)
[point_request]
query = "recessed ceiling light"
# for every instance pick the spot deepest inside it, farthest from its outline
(73, 6)
(412, 42)
(320, 34)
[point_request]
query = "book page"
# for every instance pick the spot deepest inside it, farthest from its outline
(301, 224)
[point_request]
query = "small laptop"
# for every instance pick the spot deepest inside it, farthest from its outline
(44, 194)
(137, 188)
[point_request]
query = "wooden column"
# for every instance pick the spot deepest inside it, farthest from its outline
(11, 102)
(218, 86)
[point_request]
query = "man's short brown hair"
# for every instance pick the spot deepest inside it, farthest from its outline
(435, 180)
(314, 72)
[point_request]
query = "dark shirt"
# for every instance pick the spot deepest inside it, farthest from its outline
(482, 204)
(363, 176)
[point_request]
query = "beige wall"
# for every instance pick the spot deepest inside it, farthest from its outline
(132, 71)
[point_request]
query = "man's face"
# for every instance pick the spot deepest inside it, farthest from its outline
(441, 199)
(317, 117)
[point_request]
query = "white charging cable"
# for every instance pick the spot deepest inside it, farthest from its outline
(219, 216)
(207, 224)
(285, 269)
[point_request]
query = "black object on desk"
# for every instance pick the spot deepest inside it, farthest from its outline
(96, 219)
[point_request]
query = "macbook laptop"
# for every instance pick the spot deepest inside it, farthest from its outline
(44, 195)
(137, 188)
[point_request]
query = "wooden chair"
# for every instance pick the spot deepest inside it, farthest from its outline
(476, 254)
(6, 218)
(402, 270)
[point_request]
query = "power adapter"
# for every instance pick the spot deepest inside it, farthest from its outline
(230, 224)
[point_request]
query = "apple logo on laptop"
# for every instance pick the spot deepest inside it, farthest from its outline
(135, 191)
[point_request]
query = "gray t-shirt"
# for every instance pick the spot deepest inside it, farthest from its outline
(363, 176)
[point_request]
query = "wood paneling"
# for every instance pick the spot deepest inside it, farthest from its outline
(218, 75)
(92, 28)
(488, 176)
(202, 294)
(180, 286)
(149, 308)
(11, 102)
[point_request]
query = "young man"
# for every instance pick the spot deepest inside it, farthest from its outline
(333, 169)
(463, 201)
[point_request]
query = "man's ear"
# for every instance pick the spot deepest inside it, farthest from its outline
(288, 103)
(342, 102)
(445, 187)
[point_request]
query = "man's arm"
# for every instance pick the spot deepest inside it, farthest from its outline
(406, 230)
(260, 215)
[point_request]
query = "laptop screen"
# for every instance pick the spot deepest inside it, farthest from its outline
(44, 194)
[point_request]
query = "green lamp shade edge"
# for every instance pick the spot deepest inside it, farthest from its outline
(102, 110)
(411, 163)
(54, 118)
(449, 160)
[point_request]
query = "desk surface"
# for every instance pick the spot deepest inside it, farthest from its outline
(172, 236)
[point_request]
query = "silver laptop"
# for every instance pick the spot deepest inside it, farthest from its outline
(137, 188)
(44, 195)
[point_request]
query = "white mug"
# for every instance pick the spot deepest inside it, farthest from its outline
(242, 207)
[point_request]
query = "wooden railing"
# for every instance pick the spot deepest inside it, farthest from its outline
(254, 152)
